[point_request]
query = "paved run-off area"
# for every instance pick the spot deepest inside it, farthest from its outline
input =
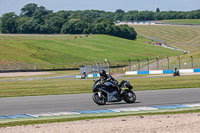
(177, 123)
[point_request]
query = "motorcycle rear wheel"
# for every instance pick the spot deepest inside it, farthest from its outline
(130, 96)
(99, 100)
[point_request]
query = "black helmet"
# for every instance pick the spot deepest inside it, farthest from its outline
(103, 74)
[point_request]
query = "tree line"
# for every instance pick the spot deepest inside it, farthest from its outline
(38, 19)
(157, 15)
(35, 19)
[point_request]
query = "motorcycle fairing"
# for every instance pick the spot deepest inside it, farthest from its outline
(112, 94)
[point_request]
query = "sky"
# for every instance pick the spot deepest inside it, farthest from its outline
(106, 5)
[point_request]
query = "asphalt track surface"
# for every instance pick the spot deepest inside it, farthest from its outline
(79, 102)
(70, 77)
(73, 77)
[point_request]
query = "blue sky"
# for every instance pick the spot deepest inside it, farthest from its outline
(107, 5)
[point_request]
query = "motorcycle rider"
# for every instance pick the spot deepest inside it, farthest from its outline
(176, 71)
(83, 75)
(107, 77)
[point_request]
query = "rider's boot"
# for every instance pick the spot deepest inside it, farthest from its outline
(122, 92)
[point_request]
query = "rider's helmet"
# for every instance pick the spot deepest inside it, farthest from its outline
(103, 74)
(84, 72)
(175, 68)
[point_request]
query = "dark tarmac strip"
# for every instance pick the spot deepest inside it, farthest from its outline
(78, 102)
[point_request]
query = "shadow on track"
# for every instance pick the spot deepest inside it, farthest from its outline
(112, 103)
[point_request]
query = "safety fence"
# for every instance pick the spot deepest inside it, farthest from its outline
(167, 63)
(95, 68)
(157, 63)
(18, 66)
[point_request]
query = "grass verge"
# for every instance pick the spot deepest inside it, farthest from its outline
(31, 122)
(70, 86)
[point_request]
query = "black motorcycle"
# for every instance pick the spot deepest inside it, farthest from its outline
(176, 73)
(105, 92)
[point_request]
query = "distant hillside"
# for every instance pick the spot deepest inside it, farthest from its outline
(64, 51)
(182, 37)
(185, 37)
(182, 21)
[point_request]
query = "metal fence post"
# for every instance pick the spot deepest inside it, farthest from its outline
(98, 66)
(35, 66)
(83, 63)
(129, 61)
(157, 63)
(192, 61)
(179, 62)
(138, 64)
(90, 67)
(168, 62)
(148, 63)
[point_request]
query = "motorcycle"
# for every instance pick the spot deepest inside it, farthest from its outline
(176, 73)
(83, 75)
(105, 92)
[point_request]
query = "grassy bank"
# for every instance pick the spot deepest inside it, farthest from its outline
(63, 51)
(182, 37)
(182, 21)
(185, 37)
(67, 86)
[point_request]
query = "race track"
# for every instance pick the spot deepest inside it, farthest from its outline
(78, 102)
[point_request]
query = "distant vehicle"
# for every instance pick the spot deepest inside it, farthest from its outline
(158, 43)
(83, 75)
(176, 72)
(105, 92)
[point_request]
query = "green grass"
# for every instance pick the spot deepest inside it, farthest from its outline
(66, 86)
(45, 121)
(182, 37)
(64, 51)
(183, 21)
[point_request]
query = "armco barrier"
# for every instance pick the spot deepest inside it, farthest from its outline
(167, 71)
(197, 70)
(161, 71)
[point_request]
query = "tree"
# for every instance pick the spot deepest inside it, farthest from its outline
(119, 11)
(29, 10)
(109, 29)
(158, 16)
(40, 12)
(23, 25)
(157, 10)
(37, 19)
(9, 23)
(74, 26)
(56, 23)
(89, 29)
(99, 28)
(118, 16)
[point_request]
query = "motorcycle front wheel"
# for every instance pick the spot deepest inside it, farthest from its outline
(130, 96)
(99, 100)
